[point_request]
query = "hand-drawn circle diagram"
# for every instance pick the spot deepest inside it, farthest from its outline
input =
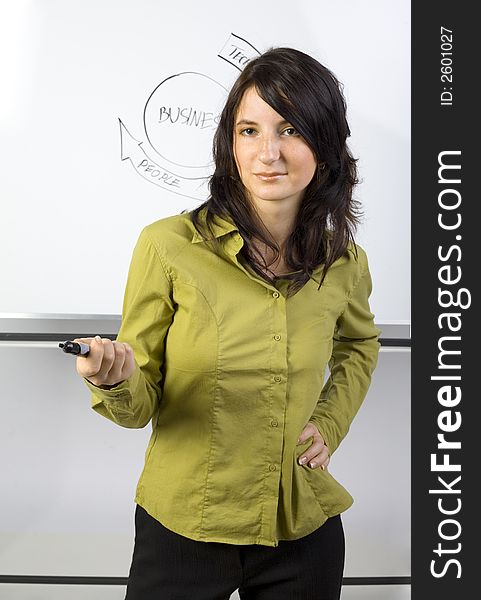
(180, 118)
(177, 126)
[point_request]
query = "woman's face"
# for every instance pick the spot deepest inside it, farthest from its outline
(274, 162)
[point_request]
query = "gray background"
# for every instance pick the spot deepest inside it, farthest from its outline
(69, 477)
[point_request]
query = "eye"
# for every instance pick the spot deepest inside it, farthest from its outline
(290, 131)
(248, 131)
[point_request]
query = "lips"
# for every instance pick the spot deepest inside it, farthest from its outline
(267, 176)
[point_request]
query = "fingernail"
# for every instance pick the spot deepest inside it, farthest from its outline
(323, 467)
(98, 338)
(312, 465)
(303, 460)
(299, 441)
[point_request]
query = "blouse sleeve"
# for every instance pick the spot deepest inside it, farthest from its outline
(147, 313)
(354, 358)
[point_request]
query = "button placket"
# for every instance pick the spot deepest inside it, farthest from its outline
(277, 408)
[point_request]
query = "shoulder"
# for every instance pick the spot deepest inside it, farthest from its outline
(358, 265)
(169, 235)
(354, 257)
(179, 224)
(348, 270)
(357, 257)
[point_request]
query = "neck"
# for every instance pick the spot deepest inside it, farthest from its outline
(278, 220)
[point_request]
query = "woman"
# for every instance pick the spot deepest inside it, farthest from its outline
(231, 313)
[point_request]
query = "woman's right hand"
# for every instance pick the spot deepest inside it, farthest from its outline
(107, 363)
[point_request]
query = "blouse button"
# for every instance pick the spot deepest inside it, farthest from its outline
(276, 294)
(277, 337)
(272, 467)
(274, 423)
(277, 378)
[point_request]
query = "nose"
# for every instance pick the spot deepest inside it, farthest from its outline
(269, 150)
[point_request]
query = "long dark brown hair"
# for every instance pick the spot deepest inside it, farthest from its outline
(308, 96)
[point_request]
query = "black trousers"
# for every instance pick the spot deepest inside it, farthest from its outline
(169, 566)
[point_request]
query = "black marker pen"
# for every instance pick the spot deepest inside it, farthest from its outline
(77, 348)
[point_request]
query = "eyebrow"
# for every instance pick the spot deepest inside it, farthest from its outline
(247, 122)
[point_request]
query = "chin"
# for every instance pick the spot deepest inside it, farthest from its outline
(270, 194)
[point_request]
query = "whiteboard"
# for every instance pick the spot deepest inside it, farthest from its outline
(107, 114)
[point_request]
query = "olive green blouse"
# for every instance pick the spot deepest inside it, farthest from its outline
(229, 371)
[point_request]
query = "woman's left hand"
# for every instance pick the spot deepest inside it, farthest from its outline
(317, 455)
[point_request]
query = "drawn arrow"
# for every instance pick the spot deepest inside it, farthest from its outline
(132, 149)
